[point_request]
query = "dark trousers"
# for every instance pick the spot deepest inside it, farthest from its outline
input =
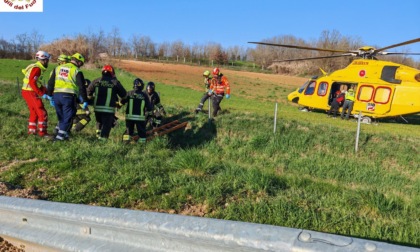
(203, 100)
(347, 105)
(334, 108)
(104, 123)
(139, 125)
(65, 107)
(216, 100)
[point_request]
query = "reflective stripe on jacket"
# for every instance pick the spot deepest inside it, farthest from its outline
(219, 87)
(27, 72)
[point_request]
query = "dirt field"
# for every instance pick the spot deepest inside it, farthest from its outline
(244, 84)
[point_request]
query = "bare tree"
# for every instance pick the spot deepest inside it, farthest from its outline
(163, 49)
(141, 46)
(151, 49)
(6, 49)
(23, 46)
(36, 40)
(177, 49)
(96, 44)
(114, 43)
(197, 51)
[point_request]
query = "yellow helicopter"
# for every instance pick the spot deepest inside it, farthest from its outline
(382, 88)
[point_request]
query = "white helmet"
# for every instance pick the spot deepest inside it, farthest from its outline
(41, 55)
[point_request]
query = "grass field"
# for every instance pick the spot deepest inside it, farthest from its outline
(307, 175)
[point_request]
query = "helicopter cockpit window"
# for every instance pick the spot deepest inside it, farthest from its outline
(311, 88)
(303, 86)
(388, 74)
(322, 89)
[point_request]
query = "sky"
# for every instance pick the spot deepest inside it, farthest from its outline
(229, 23)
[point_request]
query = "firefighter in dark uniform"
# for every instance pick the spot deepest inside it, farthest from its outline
(106, 91)
(138, 107)
(158, 111)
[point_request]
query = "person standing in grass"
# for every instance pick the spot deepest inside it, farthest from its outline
(138, 107)
(67, 83)
(219, 84)
(61, 60)
(207, 79)
(157, 109)
(33, 92)
(106, 89)
(348, 103)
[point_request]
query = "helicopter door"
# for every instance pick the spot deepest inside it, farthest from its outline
(373, 99)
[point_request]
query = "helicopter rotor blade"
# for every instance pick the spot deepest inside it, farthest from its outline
(299, 47)
(323, 57)
(396, 53)
(399, 44)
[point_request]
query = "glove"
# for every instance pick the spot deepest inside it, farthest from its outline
(85, 105)
(52, 103)
(227, 96)
(44, 96)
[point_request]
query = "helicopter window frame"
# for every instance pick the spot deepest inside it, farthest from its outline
(310, 89)
(372, 93)
(300, 90)
(322, 88)
(387, 99)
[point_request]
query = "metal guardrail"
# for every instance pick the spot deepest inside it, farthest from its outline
(40, 225)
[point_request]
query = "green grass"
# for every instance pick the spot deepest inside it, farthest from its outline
(307, 175)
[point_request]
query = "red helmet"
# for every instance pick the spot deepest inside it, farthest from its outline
(216, 71)
(108, 69)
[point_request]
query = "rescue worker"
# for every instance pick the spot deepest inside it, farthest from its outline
(207, 79)
(33, 91)
(138, 107)
(218, 85)
(158, 111)
(82, 117)
(335, 104)
(62, 59)
(67, 85)
(106, 89)
(348, 103)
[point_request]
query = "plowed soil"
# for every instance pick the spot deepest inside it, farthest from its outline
(243, 84)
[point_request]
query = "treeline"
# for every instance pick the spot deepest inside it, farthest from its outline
(96, 46)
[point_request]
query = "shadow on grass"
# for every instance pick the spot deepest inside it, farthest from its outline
(409, 119)
(199, 131)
